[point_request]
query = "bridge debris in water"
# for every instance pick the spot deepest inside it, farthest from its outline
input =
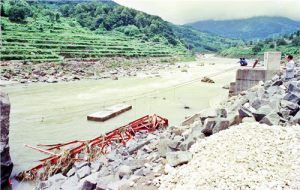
(63, 155)
(109, 112)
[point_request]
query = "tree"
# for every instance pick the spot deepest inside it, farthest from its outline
(256, 49)
(131, 30)
(281, 42)
(65, 10)
(296, 42)
(272, 46)
(16, 13)
(57, 17)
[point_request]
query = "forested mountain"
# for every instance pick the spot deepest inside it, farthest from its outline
(287, 44)
(249, 29)
(56, 30)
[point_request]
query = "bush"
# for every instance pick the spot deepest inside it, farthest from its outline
(131, 30)
(256, 49)
(281, 42)
(16, 13)
(296, 41)
(272, 46)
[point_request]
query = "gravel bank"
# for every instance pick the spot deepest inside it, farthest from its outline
(247, 156)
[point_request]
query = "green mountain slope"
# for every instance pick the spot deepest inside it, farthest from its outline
(199, 41)
(33, 32)
(288, 44)
(249, 29)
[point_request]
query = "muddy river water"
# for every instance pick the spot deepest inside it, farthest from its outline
(52, 113)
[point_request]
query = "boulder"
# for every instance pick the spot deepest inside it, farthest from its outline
(184, 70)
(292, 98)
(244, 112)
(290, 105)
(270, 119)
(200, 64)
(222, 113)
(39, 72)
(104, 181)
(262, 112)
(178, 158)
(207, 80)
(123, 170)
(248, 120)
(6, 163)
(57, 178)
(207, 113)
(118, 184)
(175, 142)
(83, 172)
(88, 186)
(222, 124)
(52, 80)
(163, 147)
(71, 172)
(70, 183)
(79, 165)
(209, 123)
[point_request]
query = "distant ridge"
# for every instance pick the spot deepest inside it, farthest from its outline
(249, 29)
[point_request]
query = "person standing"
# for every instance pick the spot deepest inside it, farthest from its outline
(290, 65)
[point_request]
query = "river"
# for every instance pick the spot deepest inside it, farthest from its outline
(52, 113)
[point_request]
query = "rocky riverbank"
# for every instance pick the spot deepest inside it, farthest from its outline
(75, 70)
(6, 163)
(149, 156)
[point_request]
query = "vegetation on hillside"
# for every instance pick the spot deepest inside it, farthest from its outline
(249, 29)
(199, 41)
(287, 44)
(31, 31)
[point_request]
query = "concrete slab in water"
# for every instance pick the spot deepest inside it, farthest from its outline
(109, 112)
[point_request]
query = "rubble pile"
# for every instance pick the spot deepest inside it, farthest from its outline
(250, 155)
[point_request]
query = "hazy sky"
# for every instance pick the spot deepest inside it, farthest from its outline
(186, 11)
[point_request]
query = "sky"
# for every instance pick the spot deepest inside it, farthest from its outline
(187, 11)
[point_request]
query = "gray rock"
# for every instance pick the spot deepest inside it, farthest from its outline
(118, 184)
(96, 166)
(135, 164)
(6, 163)
(114, 77)
(270, 119)
(248, 120)
(52, 80)
(292, 106)
(262, 112)
(234, 119)
(88, 186)
(244, 112)
(83, 172)
(71, 172)
(70, 183)
(222, 124)
(284, 112)
(111, 156)
(292, 98)
(175, 142)
(57, 178)
(79, 165)
(39, 72)
(222, 113)
(296, 118)
(209, 123)
(146, 171)
(208, 113)
(123, 170)
(162, 147)
(43, 184)
(131, 143)
(184, 70)
(278, 82)
(178, 158)
(23, 80)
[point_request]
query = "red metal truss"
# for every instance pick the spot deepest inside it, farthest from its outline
(120, 135)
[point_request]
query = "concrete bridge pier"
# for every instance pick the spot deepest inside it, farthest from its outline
(247, 77)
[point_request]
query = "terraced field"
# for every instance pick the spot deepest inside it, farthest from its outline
(60, 42)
